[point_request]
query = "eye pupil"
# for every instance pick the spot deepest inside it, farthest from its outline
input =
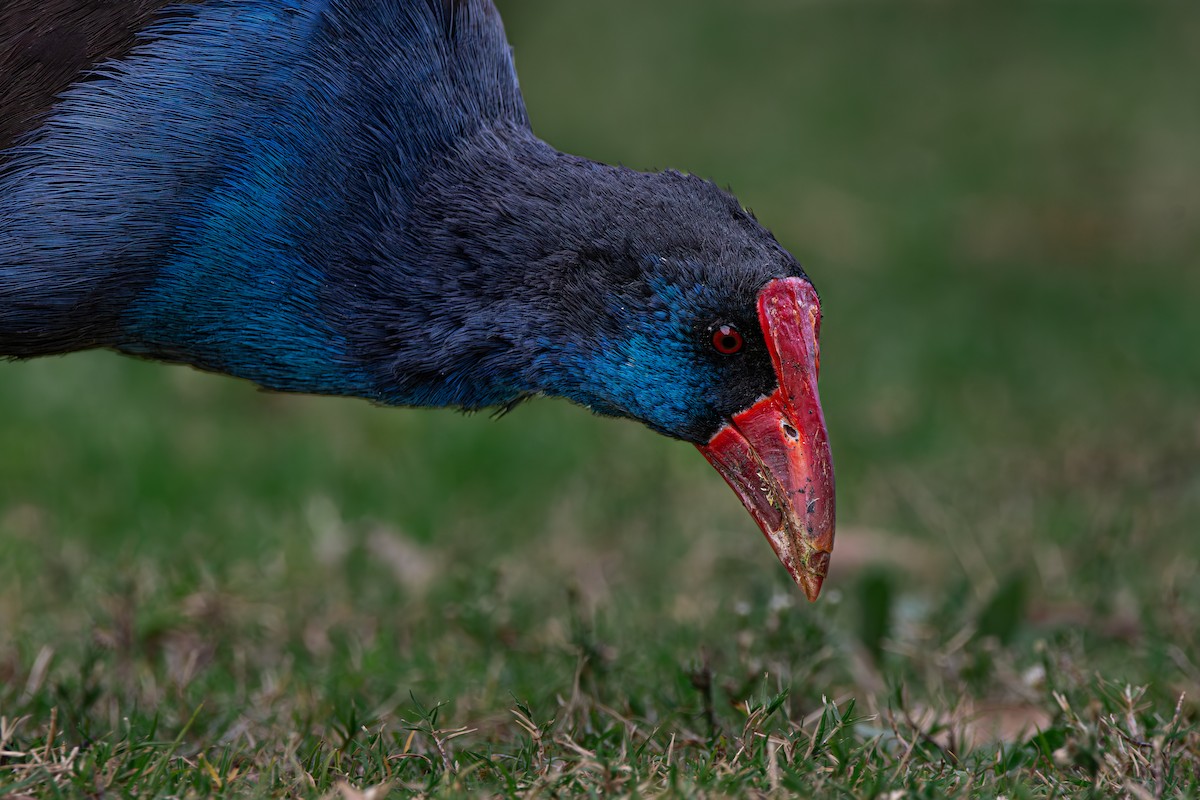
(727, 340)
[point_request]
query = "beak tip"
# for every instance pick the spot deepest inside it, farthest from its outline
(811, 576)
(811, 584)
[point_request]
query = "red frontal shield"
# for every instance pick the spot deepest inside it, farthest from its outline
(775, 454)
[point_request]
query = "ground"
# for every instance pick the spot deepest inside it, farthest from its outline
(206, 590)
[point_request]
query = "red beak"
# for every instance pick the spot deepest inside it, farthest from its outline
(775, 454)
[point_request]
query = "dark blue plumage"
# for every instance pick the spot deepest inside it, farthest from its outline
(344, 197)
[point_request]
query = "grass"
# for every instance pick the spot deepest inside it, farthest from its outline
(206, 590)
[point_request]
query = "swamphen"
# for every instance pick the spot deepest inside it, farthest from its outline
(344, 197)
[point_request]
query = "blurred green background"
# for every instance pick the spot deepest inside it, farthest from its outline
(1000, 205)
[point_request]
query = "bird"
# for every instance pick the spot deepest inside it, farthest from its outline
(346, 197)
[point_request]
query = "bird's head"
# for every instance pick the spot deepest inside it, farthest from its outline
(650, 296)
(691, 318)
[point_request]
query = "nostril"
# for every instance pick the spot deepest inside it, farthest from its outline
(790, 432)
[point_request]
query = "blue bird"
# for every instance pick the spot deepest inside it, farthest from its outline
(344, 197)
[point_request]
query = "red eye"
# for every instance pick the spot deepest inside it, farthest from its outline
(727, 340)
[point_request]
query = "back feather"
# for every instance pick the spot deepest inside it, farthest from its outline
(47, 45)
(219, 162)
